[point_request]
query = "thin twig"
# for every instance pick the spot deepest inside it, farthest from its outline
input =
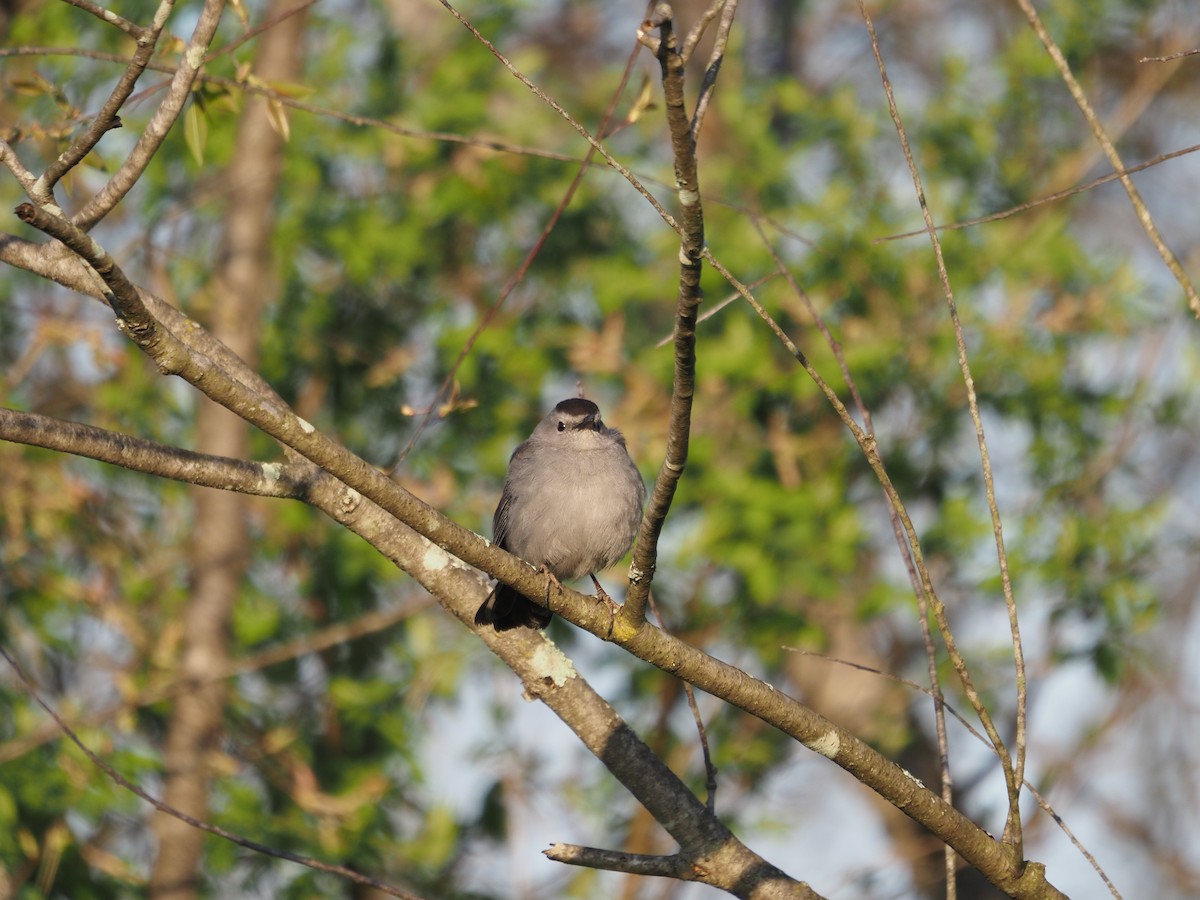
(709, 83)
(121, 780)
(625, 173)
(974, 732)
(1058, 820)
(710, 768)
(894, 515)
(303, 106)
(715, 308)
(123, 180)
(12, 162)
(105, 120)
(1110, 150)
(676, 866)
(251, 33)
(1170, 57)
(636, 179)
(697, 32)
(1013, 770)
(1049, 198)
(132, 29)
(691, 220)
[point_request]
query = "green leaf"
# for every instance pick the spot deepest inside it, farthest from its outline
(195, 131)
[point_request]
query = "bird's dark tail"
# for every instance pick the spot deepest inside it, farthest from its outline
(506, 608)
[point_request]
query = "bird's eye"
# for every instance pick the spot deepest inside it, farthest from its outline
(562, 426)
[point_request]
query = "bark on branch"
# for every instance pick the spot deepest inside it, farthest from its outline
(691, 221)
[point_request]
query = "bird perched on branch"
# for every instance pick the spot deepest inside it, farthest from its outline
(571, 505)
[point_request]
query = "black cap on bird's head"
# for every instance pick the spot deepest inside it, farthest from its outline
(577, 406)
(574, 415)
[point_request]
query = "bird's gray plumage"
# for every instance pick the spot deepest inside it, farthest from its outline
(572, 504)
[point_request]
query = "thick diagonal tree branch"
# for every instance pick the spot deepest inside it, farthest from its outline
(710, 853)
(996, 861)
(715, 855)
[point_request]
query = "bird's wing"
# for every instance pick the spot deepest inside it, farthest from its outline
(507, 496)
(500, 519)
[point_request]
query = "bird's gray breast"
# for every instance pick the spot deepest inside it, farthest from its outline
(573, 512)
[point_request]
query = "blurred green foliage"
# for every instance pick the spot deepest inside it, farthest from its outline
(391, 252)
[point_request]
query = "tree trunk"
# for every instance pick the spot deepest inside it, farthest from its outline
(219, 555)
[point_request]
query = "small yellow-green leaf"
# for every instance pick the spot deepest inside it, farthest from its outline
(33, 86)
(195, 132)
(278, 117)
(644, 101)
(292, 89)
(240, 8)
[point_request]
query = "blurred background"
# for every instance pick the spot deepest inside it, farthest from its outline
(381, 217)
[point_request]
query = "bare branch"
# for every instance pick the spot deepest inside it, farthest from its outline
(547, 675)
(273, 19)
(557, 107)
(1049, 198)
(293, 103)
(132, 316)
(57, 263)
(50, 261)
(975, 733)
(107, 15)
(12, 162)
(139, 455)
(870, 451)
(106, 119)
(1110, 150)
(1087, 854)
(895, 514)
(160, 123)
(1169, 57)
(697, 32)
(687, 185)
(676, 866)
(1014, 771)
(710, 768)
(176, 337)
(715, 308)
(709, 83)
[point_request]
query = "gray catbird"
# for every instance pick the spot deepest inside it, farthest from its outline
(571, 505)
